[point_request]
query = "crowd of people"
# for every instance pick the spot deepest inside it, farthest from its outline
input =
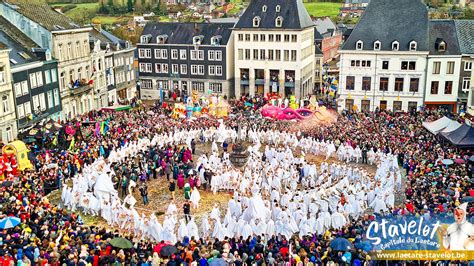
(57, 235)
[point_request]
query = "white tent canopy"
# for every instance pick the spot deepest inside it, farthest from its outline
(437, 126)
(453, 125)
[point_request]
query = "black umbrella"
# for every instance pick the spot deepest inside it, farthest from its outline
(468, 199)
(167, 251)
(7, 183)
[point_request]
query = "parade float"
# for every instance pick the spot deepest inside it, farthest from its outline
(213, 106)
(14, 159)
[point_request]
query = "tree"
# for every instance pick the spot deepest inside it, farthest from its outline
(130, 5)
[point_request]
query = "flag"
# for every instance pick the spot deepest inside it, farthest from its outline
(55, 141)
(97, 129)
(106, 126)
(102, 125)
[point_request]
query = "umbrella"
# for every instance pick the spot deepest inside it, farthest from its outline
(459, 161)
(9, 222)
(167, 251)
(364, 245)
(447, 162)
(120, 242)
(450, 191)
(341, 244)
(472, 158)
(468, 199)
(7, 183)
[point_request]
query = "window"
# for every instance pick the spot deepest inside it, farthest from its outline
(434, 87)
(141, 53)
(365, 105)
(414, 82)
(17, 89)
(218, 70)
(255, 37)
(398, 84)
(262, 54)
(293, 55)
(383, 84)
(39, 78)
(286, 55)
(359, 45)
(69, 51)
(366, 83)
(256, 22)
(466, 84)
(287, 38)
(182, 54)
(212, 70)
(262, 37)
(33, 80)
(397, 106)
(412, 46)
(184, 69)
(349, 104)
(211, 55)
(278, 38)
(193, 54)
(42, 102)
(247, 54)
(241, 37)
(47, 76)
(27, 107)
(278, 55)
(157, 53)
(164, 68)
(174, 54)
(377, 45)
(218, 55)
(294, 38)
(436, 67)
(395, 46)
(264, 8)
(277, 8)
(385, 65)
(6, 104)
(174, 69)
(271, 37)
(450, 68)
(36, 103)
(194, 70)
(24, 87)
(255, 54)
(247, 37)
(197, 86)
(50, 99)
(270, 55)
(408, 65)
(467, 66)
(200, 55)
(448, 87)
(215, 87)
(54, 75)
(200, 69)
(142, 68)
(350, 81)
(240, 54)
(278, 22)
(56, 97)
(21, 111)
(164, 54)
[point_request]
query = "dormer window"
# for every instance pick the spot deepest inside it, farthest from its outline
(277, 8)
(278, 22)
(144, 39)
(197, 40)
(256, 22)
(377, 45)
(264, 8)
(216, 40)
(395, 46)
(161, 39)
(442, 47)
(359, 45)
(412, 46)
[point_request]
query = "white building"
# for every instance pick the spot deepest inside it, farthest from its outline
(8, 125)
(383, 62)
(444, 66)
(274, 49)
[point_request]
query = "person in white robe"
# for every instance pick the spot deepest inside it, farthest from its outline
(193, 231)
(195, 198)
(205, 226)
(182, 229)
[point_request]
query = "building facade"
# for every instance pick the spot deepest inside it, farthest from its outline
(186, 57)
(444, 65)
(274, 49)
(385, 71)
(465, 36)
(8, 128)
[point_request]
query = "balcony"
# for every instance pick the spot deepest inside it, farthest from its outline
(259, 81)
(79, 87)
(289, 84)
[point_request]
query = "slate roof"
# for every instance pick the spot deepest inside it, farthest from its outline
(465, 32)
(325, 25)
(40, 12)
(105, 38)
(21, 46)
(294, 14)
(183, 33)
(387, 21)
(443, 30)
